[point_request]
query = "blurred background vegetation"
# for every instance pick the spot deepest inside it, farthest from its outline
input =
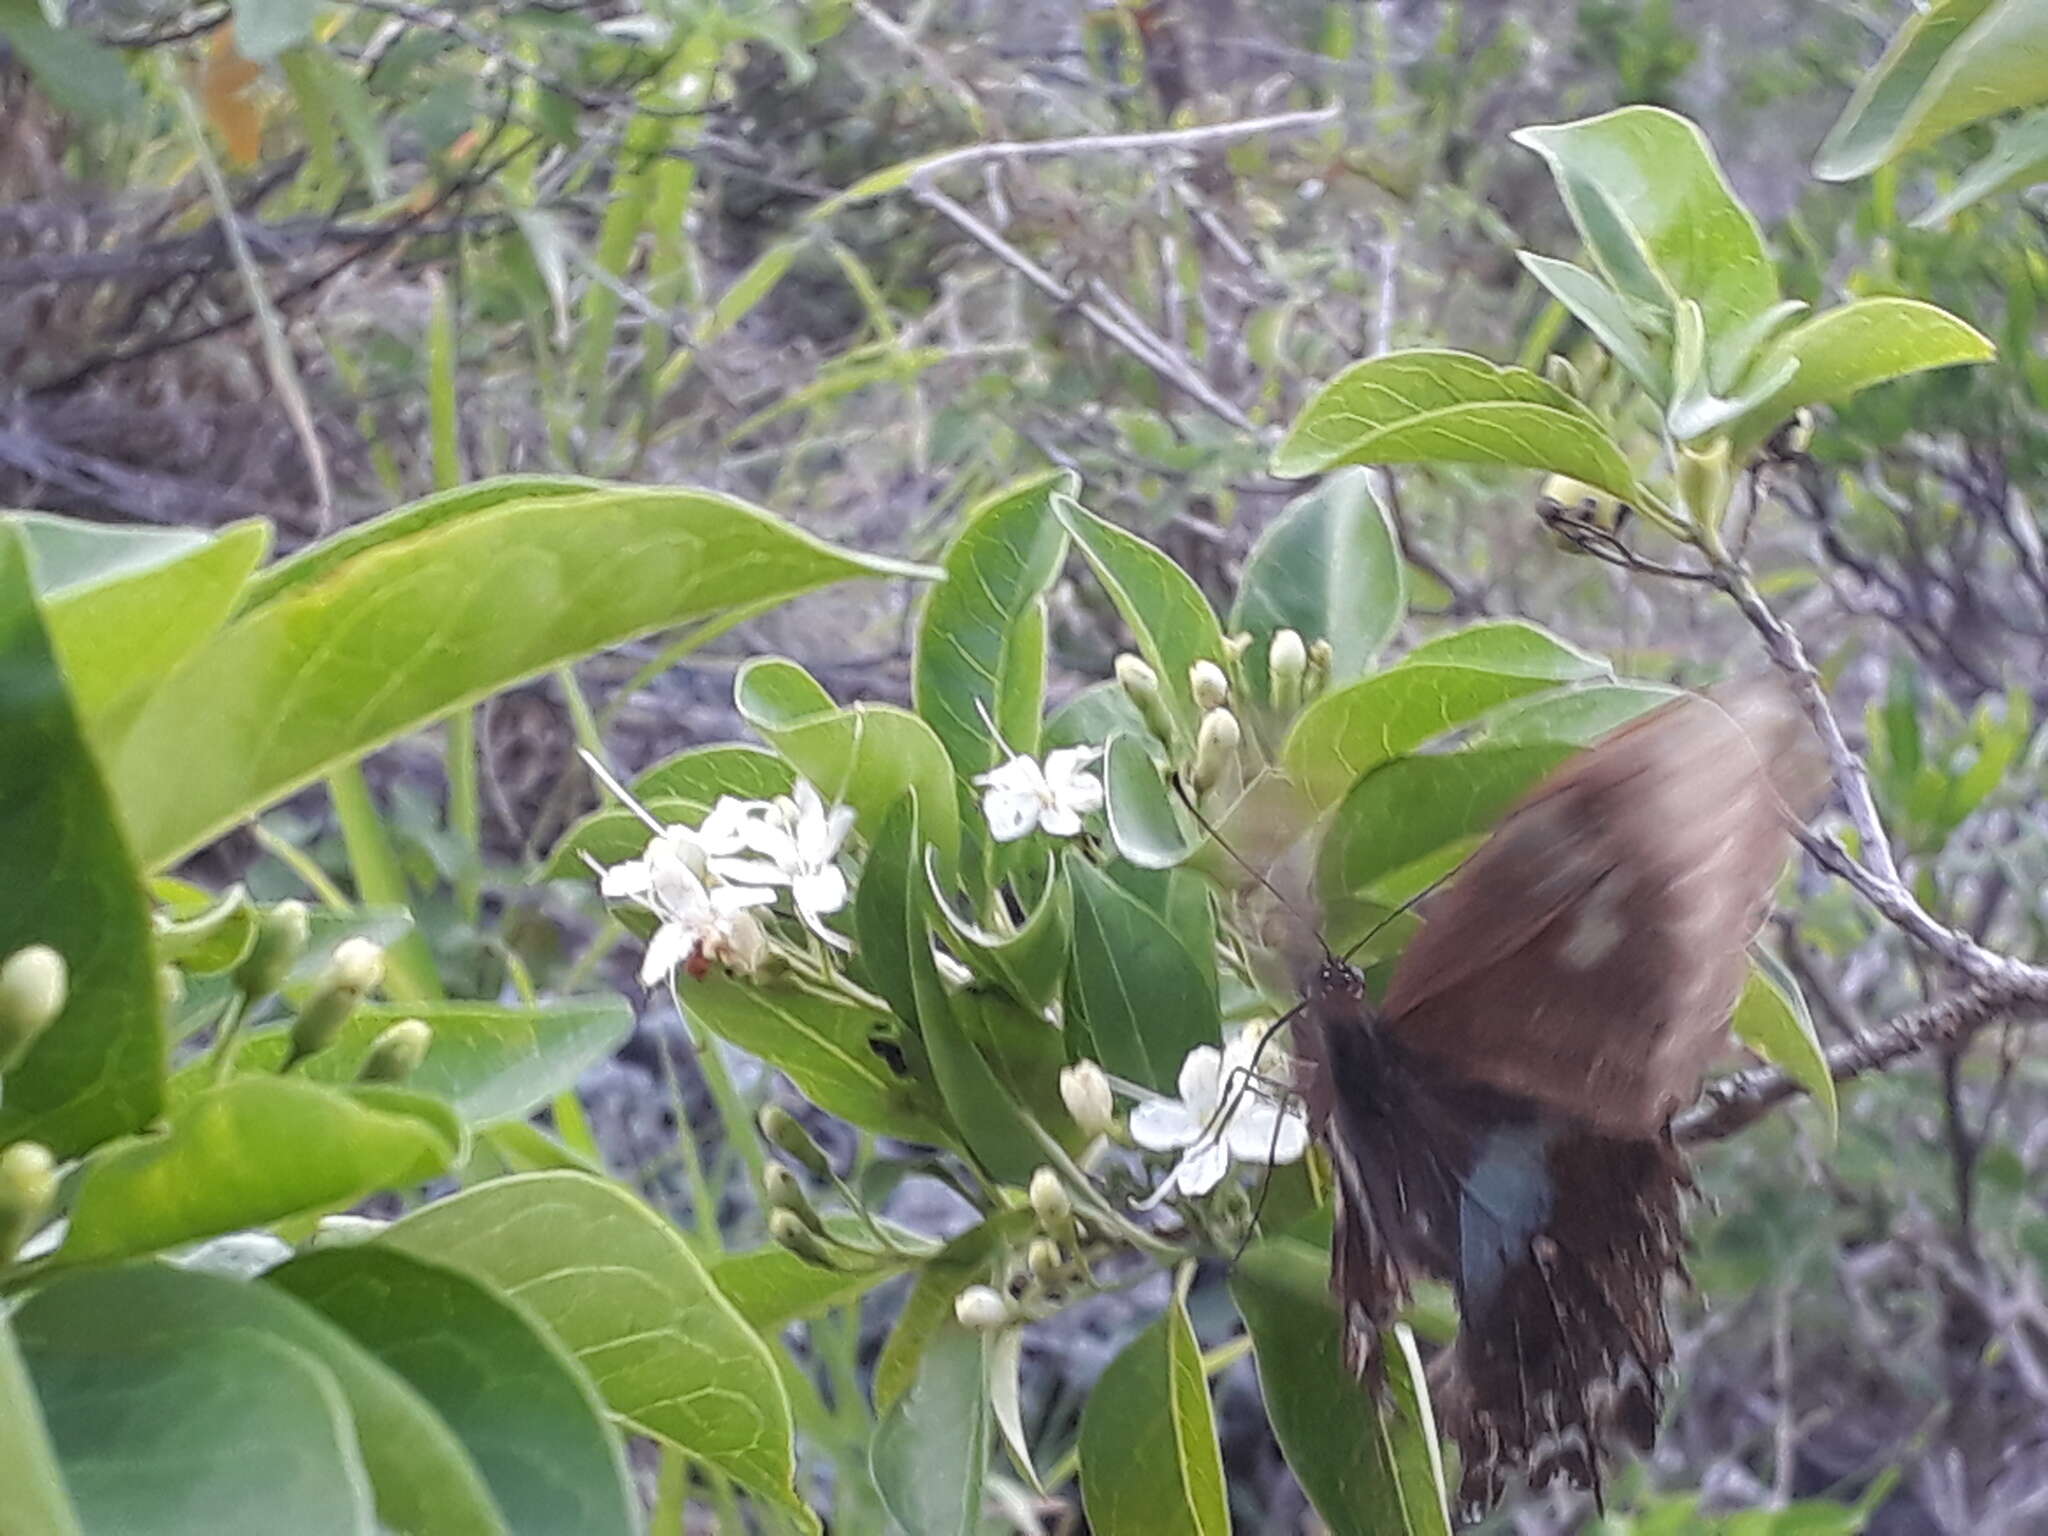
(331, 257)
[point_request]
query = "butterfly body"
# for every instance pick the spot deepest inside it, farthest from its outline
(1500, 1119)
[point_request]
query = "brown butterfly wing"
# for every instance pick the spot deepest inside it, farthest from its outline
(1588, 956)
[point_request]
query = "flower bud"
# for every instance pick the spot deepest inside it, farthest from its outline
(1141, 685)
(1235, 646)
(1322, 658)
(34, 982)
(397, 1053)
(1209, 685)
(1287, 665)
(281, 934)
(1215, 748)
(1085, 1091)
(28, 1188)
(1045, 1260)
(781, 1130)
(788, 1229)
(170, 987)
(357, 966)
(981, 1308)
(1559, 371)
(784, 1193)
(1053, 1207)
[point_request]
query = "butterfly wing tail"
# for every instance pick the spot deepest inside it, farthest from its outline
(1563, 1343)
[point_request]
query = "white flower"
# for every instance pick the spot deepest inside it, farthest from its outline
(1019, 795)
(706, 923)
(797, 842)
(1229, 1108)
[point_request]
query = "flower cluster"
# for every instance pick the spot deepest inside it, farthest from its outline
(1232, 1107)
(706, 883)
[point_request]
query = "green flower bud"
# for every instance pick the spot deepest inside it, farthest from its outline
(781, 1130)
(788, 1230)
(1287, 664)
(1085, 1091)
(784, 1193)
(981, 1308)
(1559, 371)
(397, 1053)
(281, 935)
(357, 966)
(1235, 646)
(1045, 1260)
(1141, 686)
(1209, 685)
(28, 1188)
(1053, 1207)
(34, 983)
(1322, 656)
(1215, 749)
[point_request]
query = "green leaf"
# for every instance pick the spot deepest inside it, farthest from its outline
(189, 1436)
(930, 1450)
(978, 1100)
(1094, 715)
(620, 1288)
(124, 604)
(2018, 158)
(1575, 717)
(966, 1260)
(1955, 63)
(430, 621)
(1144, 819)
(1436, 688)
(981, 639)
(1371, 1468)
(81, 75)
(252, 1151)
(1601, 310)
(771, 1287)
(1140, 1002)
(1150, 1465)
(36, 1503)
(524, 1409)
(1164, 610)
(422, 1476)
(1854, 346)
(885, 904)
(682, 788)
(1772, 1019)
(865, 755)
(1434, 407)
(1329, 568)
(1413, 807)
(828, 1047)
(490, 1061)
(97, 1071)
(1648, 197)
(265, 28)
(203, 933)
(1030, 961)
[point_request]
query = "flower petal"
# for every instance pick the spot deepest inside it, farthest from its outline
(819, 891)
(626, 882)
(1059, 820)
(728, 900)
(1010, 813)
(671, 946)
(1264, 1132)
(1201, 1081)
(1202, 1169)
(1163, 1125)
(749, 872)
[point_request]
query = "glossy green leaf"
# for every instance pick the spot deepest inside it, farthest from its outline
(1856, 345)
(190, 1436)
(124, 604)
(1952, 64)
(1649, 198)
(36, 1503)
(1150, 1464)
(981, 638)
(1437, 687)
(431, 621)
(490, 1061)
(97, 1071)
(1328, 567)
(1601, 310)
(525, 1410)
(2018, 158)
(930, 1450)
(837, 1052)
(1370, 1467)
(1575, 717)
(865, 755)
(1772, 1019)
(1145, 821)
(1434, 407)
(1413, 807)
(1159, 602)
(1029, 960)
(1094, 715)
(1138, 1001)
(252, 1151)
(885, 904)
(203, 933)
(422, 1477)
(622, 1290)
(771, 1286)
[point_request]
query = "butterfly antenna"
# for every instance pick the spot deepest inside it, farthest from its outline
(1188, 800)
(1374, 931)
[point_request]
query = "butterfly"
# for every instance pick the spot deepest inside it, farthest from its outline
(1500, 1119)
